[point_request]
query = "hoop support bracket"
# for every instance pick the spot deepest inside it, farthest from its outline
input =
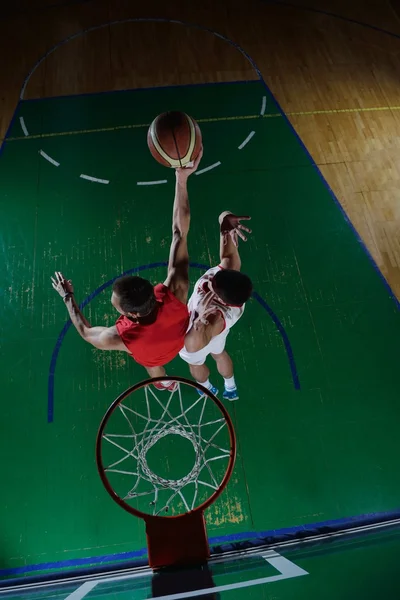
(180, 541)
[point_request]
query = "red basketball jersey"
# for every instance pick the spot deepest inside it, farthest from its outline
(157, 344)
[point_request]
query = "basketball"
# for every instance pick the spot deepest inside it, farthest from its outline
(174, 139)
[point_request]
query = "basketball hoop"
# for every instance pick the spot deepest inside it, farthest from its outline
(146, 440)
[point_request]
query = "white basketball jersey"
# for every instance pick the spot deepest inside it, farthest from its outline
(231, 314)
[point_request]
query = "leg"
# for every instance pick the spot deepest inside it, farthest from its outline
(225, 368)
(224, 364)
(156, 371)
(200, 373)
(171, 386)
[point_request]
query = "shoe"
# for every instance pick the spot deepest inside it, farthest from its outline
(212, 389)
(172, 387)
(230, 395)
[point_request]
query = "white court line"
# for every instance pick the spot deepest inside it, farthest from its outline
(47, 157)
(152, 182)
(242, 145)
(23, 126)
(264, 105)
(208, 168)
(89, 178)
(82, 590)
(286, 568)
(282, 564)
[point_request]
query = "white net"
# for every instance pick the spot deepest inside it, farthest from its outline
(165, 453)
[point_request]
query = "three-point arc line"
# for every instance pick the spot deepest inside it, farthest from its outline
(208, 168)
(60, 339)
(94, 179)
(152, 182)
(49, 159)
(23, 126)
(161, 181)
(263, 106)
(246, 141)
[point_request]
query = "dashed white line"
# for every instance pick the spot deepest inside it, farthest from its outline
(263, 105)
(152, 182)
(23, 126)
(95, 179)
(47, 157)
(208, 168)
(246, 141)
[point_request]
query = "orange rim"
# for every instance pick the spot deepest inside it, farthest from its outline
(99, 461)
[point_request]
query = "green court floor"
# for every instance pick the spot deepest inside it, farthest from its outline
(316, 352)
(356, 566)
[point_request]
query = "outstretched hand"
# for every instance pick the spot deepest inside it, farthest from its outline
(232, 227)
(188, 170)
(63, 286)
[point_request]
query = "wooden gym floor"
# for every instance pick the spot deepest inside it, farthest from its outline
(323, 413)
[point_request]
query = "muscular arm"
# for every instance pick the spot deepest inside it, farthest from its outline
(103, 338)
(197, 338)
(178, 264)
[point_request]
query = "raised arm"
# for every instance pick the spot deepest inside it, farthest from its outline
(178, 264)
(103, 338)
(231, 229)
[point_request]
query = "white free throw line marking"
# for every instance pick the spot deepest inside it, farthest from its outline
(242, 145)
(152, 182)
(47, 157)
(282, 564)
(23, 126)
(89, 178)
(263, 105)
(82, 590)
(286, 568)
(208, 168)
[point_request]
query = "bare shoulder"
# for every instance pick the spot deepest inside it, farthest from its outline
(178, 286)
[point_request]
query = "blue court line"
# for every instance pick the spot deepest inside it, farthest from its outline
(145, 89)
(96, 292)
(237, 541)
(257, 70)
(11, 125)
(334, 15)
(285, 339)
(314, 164)
(68, 324)
(135, 20)
(352, 522)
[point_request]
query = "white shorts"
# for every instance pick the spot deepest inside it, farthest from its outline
(216, 346)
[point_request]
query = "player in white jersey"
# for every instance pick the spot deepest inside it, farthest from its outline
(217, 303)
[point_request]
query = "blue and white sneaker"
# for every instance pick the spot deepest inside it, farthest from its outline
(230, 395)
(212, 389)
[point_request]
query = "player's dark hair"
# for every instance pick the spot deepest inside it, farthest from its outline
(233, 287)
(135, 294)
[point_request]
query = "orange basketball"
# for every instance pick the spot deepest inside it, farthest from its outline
(174, 139)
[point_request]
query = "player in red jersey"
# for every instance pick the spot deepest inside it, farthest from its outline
(154, 319)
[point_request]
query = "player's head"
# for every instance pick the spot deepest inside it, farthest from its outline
(133, 296)
(232, 287)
